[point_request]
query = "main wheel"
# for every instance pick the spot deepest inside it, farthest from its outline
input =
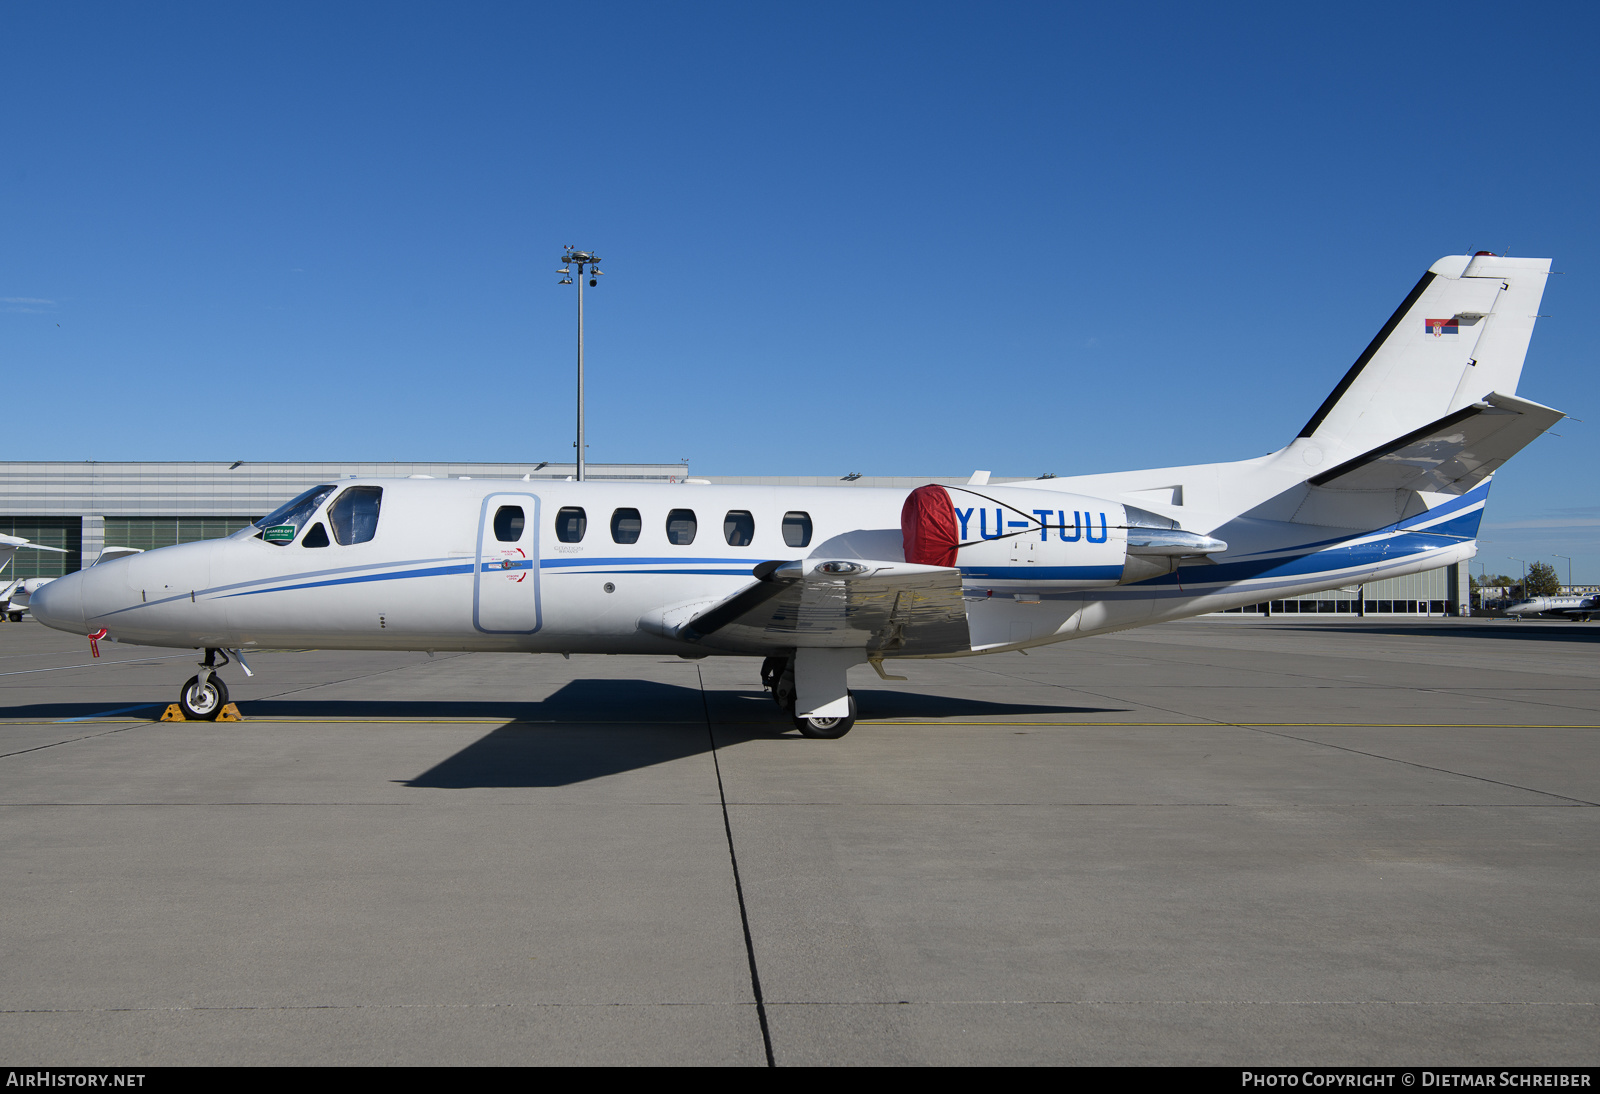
(203, 704)
(827, 729)
(782, 682)
(772, 670)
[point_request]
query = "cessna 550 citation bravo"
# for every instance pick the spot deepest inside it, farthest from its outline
(1388, 477)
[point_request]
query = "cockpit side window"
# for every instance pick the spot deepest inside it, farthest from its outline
(317, 537)
(354, 514)
(280, 526)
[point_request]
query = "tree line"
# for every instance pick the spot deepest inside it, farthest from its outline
(1542, 581)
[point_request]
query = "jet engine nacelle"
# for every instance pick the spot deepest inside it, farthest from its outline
(1052, 539)
(1039, 539)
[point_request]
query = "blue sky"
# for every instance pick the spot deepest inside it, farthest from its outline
(889, 238)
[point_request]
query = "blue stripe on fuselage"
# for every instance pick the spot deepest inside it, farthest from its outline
(357, 575)
(564, 563)
(436, 571)
(1474, 496)
(1029, 572)
(1388, 550)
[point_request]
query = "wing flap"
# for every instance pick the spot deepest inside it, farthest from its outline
(897, 609)
(1451, 455)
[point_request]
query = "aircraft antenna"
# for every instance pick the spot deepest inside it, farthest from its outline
(570, 257)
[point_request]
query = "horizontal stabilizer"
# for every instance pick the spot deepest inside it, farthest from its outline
(12, 543)
(1451, 455)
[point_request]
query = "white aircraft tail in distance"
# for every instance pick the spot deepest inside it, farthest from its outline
(16, 592)
(1389, 476)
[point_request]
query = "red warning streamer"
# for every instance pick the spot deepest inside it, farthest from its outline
(94, 641)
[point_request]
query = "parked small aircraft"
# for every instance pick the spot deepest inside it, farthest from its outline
(1388, 477)
(15, 594)
(15, 598)
(1579, 609)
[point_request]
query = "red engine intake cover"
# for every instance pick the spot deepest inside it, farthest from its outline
(928, 526)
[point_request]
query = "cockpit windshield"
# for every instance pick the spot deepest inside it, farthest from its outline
(284, 523)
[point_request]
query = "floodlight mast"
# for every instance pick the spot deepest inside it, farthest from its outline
(570, 256)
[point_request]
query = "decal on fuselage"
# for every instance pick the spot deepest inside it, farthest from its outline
(1081, 526)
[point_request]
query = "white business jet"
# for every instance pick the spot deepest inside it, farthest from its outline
(1579, 609)
(1388, 477)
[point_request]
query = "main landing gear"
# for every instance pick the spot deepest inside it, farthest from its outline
(204, 695)
(830, 710)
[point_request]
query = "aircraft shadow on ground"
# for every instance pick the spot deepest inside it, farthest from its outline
(588, 729)
(576, 701)
(581, 701)
(911, 704)
(657, 724)
(55, 712)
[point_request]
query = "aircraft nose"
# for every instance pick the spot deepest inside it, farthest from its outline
(60, 604)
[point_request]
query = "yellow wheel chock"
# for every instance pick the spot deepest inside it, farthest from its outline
(229, 713)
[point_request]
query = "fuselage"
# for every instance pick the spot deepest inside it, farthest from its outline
(584, 566)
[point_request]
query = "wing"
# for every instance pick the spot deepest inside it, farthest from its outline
(1451, 455)
(886, 608)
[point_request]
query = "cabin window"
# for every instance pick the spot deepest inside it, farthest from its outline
(681, 527)
(280, 526)
(571, 523)
(738, 528)
(625, 526)
(797, 529)
(508, 523)
(317, 537)
(354, 514)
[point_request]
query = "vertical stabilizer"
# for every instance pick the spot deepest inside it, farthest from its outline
(1460, 334)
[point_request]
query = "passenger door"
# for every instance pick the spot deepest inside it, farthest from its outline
(505, 580)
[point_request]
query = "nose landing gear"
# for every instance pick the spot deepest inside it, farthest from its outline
(203, 701)
(204, 695)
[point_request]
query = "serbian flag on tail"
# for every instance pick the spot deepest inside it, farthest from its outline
(1441, 327)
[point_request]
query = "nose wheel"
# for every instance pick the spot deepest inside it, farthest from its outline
(202, 702)
(204, 695)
